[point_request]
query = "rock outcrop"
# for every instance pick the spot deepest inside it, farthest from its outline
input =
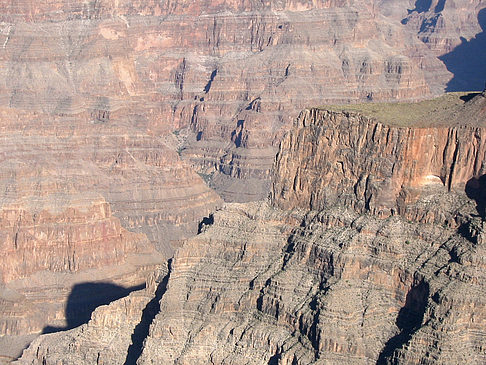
(329, 281)
(332, 156)
(234, 73)
(114, 334)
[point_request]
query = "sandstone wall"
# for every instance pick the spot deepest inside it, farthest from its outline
(344, 156)
(235, 73)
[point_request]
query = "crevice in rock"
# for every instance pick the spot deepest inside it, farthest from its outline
(408, 321)
(141, 331)
(210, 82)
(206, 221)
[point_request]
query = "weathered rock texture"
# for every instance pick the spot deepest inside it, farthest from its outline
(111, 333)
(324, 282)
(454, 31)
(90, 91)
(84, 200)
(345, 156)
(235, 73)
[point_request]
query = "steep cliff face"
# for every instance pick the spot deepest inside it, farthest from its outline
(442, 23)
(58, 266)
(332, 280)
(330, 156)
(76, 239)
(455, 32)
(235, 73)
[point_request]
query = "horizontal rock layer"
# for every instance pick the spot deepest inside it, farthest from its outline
(325, 282)
(235, 73)
(85, 200)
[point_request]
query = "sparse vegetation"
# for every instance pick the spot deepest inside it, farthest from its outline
(426, 113)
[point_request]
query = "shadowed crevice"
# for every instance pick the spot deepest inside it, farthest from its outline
(467, 61)
(141, 331)
(408, 321)
(207, 221)
(476, 190)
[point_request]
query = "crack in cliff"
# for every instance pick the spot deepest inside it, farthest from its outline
(409, 320)
(141, 331)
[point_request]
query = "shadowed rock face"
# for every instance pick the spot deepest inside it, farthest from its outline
(454, 31)
(330, 281)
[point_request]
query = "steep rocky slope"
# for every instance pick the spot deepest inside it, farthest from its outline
(334, 278)
(84, 201)
(92, 176)
(234, 73)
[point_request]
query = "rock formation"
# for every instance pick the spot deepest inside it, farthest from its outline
(84, 201)
(326, 281)
(332, 156)
(107, 106)
(234, 73)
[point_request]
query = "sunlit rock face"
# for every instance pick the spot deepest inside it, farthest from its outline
(331, 156)
(236, 73)
(85, 200)
(331, 280)
(107, 107)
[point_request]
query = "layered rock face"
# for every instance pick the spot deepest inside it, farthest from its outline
(89, 94)
(454, 31)
(57, 266)
(345, 156)
(329, 282)
(441, 23)
(235, 73)
(85, 201)
(113, 334)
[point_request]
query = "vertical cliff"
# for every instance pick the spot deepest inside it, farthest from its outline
(338, 279)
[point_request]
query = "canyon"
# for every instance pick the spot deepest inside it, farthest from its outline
(335, 277)
(173, 159)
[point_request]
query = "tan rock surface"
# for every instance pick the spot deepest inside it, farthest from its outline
(327, 283)
(108, 336)
(235, 73)
(84, 201)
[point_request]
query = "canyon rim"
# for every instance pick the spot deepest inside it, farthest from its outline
(235, 182)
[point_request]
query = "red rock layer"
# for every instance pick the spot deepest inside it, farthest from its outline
(325, 282)
(235, 73)
(330, 156)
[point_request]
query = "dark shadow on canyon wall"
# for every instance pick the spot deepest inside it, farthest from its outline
(467, 61)
(141, 331)
(408, 321)
(476, 190)
(85, 298)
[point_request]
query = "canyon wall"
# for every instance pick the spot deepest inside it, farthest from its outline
(235, 74)
(108, 107)
(85, 202)
(329, 281)
(345, 156)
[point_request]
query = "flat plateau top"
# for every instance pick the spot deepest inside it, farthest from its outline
(451, 109)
